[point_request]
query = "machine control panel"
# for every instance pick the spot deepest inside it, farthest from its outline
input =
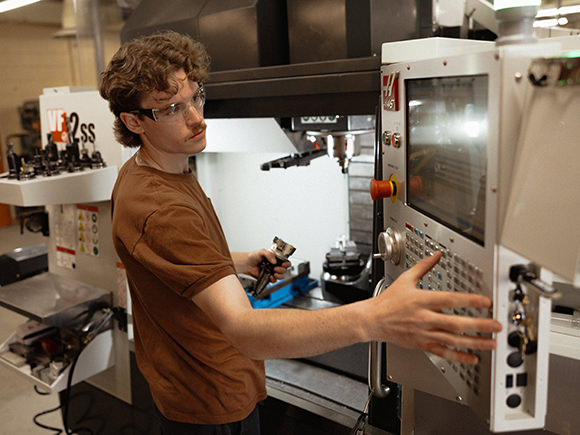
(443, 144)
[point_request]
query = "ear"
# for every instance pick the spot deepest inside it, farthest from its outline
(132, 122)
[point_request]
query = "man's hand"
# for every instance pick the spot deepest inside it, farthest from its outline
(412, 318)
(249, 263)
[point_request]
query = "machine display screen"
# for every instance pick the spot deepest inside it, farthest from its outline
(446, 151)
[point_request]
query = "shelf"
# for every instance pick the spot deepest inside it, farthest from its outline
(60, 302)
(52, 299)
(96, 357)
(565, 336)
(92, 185)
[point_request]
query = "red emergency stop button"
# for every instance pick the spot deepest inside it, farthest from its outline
(382, 189)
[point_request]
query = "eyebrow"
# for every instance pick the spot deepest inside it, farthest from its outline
(163, 101)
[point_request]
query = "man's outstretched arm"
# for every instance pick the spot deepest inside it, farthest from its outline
(402, 315)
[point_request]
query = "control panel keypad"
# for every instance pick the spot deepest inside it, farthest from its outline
(451, 273)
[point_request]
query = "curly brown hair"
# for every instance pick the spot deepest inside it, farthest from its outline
(145, 65)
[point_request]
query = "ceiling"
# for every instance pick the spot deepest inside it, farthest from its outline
(573, 19)
(43, 12)
(50, 12)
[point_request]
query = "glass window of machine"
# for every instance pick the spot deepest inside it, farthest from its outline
(446, 151)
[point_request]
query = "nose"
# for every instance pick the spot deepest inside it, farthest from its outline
(193, 114)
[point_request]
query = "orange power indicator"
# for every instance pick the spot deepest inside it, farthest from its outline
(409, 226)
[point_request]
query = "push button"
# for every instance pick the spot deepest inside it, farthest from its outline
(396, 140)
(515, 359)
(386, 137)
(514, 401)
(381, 189)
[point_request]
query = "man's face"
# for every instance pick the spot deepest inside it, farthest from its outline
(183, 135)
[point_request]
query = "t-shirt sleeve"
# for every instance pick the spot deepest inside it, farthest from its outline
(178, 248)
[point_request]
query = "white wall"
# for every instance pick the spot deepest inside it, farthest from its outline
(305, 206)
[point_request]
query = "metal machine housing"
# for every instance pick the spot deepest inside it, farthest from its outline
(467, 264)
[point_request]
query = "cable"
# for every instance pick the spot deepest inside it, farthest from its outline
(57, 431)
(66, 400)
(64, 403)
(90, 331)
(64, 406)
(41, 393)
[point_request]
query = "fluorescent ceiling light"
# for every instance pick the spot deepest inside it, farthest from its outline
(552, 22)
(8, 5)
(550, 12)
(554, 12)
(565, 10)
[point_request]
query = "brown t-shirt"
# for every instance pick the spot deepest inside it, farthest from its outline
(167, 235)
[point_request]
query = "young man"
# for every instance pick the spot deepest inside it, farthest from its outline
(198, 342)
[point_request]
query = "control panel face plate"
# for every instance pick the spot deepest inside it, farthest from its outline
(466, 93)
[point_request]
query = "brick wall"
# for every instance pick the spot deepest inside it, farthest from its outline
(32, 59)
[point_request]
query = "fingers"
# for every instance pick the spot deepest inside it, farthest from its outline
(461, 341)
(448, 341)
(457, 324)
(282, 268)
(454, 346)
(466, 324)
(269, 255)
(422, 267)
(278, 274)
(437, 300)
(450, 346)
(280, 271)
(440, 299)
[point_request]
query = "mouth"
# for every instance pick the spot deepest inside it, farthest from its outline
(199, 132)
